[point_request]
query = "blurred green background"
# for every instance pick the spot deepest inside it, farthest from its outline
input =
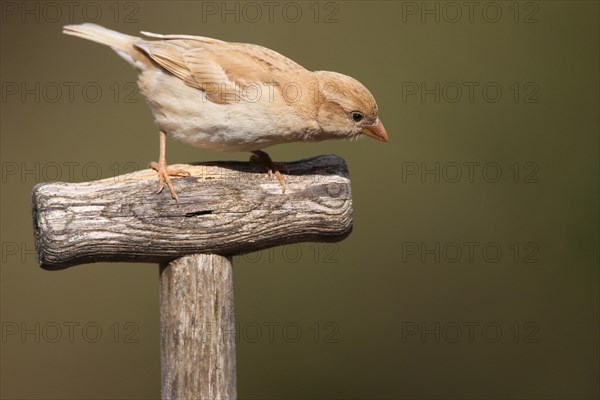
(417, 303)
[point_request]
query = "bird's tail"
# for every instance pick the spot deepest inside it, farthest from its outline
(121, 43)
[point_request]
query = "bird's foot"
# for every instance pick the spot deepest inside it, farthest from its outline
(164, 176)
(263, 158)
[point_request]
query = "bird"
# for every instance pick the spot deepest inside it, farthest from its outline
(236, 97)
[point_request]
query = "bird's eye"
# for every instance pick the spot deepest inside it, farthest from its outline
(356, 116)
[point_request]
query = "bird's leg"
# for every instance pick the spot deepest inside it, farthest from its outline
(164, 172)
(263, 158)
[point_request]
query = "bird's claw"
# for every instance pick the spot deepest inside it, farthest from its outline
(263, 158)
(164, 176)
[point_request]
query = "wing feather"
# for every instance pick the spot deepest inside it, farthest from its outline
(218, 68)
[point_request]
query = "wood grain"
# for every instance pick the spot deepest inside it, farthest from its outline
(226, 208)
(197, 329)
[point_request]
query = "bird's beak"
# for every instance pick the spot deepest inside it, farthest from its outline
(376, 131)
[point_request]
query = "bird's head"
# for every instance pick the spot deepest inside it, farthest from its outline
(346, 108)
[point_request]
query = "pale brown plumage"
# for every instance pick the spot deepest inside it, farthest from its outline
(197, 88)
(203, 63)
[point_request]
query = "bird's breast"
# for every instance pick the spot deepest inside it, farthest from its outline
(186, 114)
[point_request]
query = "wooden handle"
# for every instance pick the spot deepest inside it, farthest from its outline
(225, 208)
(197, 329)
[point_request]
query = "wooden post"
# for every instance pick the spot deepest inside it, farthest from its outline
(197, 328)
(226, 208)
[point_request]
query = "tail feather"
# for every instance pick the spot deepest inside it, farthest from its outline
(121, 43)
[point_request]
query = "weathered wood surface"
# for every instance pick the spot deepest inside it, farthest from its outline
(226, 208)
(197, 328)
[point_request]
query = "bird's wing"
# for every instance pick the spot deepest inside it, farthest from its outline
(190, 37)
(220, 69)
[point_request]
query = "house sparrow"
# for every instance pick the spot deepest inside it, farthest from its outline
(237, 97)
